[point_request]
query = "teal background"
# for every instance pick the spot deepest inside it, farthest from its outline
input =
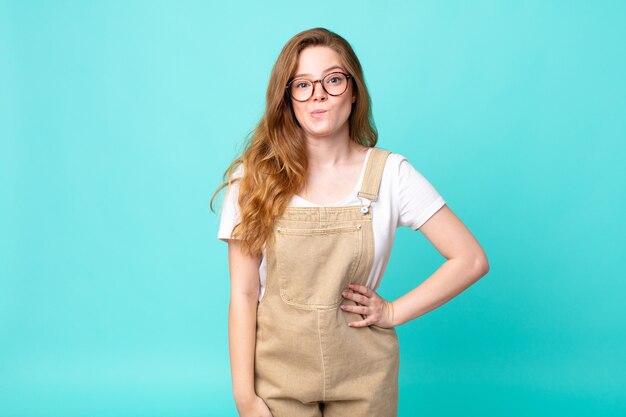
(118, 119)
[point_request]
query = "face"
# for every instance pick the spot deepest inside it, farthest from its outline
(314, 62)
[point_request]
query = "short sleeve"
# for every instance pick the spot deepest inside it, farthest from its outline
(229, 212)
(418, 200)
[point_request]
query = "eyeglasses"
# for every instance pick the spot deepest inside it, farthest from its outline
(335, 84)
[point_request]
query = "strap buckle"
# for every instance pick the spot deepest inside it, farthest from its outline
(365, 208)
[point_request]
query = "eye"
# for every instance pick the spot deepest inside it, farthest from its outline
(301, 84)
(335, 78)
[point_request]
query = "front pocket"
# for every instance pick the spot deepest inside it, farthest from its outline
(315, 265)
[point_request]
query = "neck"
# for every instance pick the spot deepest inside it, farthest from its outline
(327, 152)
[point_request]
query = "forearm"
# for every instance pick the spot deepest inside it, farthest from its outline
(242, 338)
(454, 276)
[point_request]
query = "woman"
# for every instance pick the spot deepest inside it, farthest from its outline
(310, 216)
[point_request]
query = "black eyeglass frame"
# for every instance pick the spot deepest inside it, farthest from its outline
(321, 81)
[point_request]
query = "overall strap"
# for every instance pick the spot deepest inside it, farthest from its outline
(373, 173)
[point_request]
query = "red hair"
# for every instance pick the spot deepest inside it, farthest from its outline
(274, 158)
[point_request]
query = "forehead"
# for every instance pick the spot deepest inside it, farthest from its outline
(315, 60)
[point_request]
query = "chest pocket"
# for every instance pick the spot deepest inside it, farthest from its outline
(315, 265)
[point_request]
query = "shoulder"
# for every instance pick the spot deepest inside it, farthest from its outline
(402, 175)
(238, 172)
(232, 189)
(394, 162)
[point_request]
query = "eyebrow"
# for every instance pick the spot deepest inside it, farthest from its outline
(326, 70)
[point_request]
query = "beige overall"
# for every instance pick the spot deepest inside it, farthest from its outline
(308, 361)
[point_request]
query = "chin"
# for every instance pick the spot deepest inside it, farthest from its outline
(320, 132)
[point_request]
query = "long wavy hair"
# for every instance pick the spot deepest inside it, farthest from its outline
(274, 157)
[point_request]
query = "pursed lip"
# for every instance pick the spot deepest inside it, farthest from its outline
(318, 111)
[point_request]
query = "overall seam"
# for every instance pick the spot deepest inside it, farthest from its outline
(319, 332)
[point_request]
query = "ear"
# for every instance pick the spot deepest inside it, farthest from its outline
(353, 98)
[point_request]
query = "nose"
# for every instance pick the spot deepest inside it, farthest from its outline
(318, 90)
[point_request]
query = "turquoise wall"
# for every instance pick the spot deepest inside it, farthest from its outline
(117, 120)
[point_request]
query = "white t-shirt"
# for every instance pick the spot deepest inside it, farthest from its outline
(405, 198)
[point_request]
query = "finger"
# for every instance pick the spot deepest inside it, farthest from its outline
(361, 299)
(362, 323)
(355, 309)
(362, 289)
